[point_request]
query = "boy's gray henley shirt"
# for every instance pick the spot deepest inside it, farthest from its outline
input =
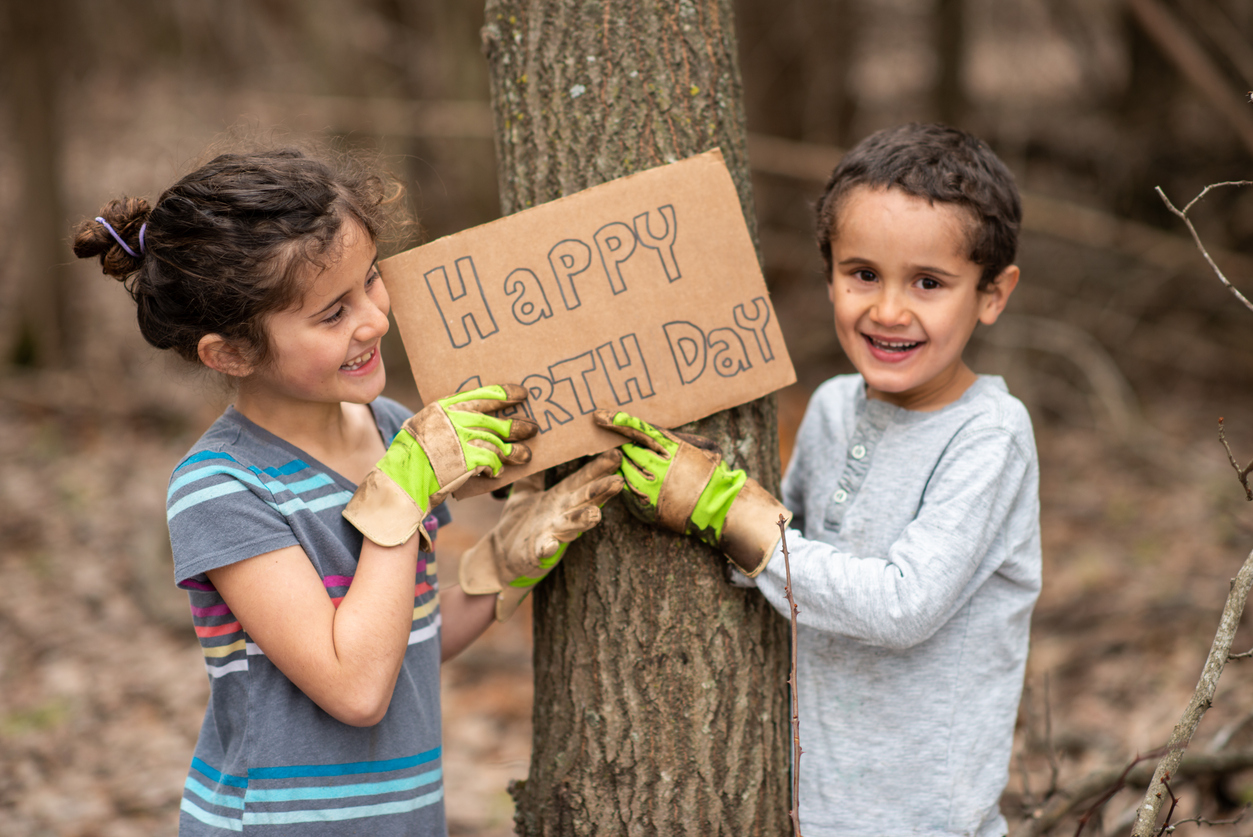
(915, 557)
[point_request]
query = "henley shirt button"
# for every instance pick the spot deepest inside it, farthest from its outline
(858, 451)
(840, 496)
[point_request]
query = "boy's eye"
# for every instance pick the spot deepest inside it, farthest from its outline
(865, 275)
(928, 284)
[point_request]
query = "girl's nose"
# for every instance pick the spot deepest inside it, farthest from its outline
(375, 322)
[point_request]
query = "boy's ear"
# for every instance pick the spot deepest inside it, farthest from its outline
(992, 300)
(220, 355)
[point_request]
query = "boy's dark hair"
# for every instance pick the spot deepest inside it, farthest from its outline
(227, 244)
(937, 163)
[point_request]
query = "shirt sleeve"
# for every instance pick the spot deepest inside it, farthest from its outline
(902, 598)
(221, 512)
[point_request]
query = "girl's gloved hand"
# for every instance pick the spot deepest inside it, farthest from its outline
(534, 530)
(682, 484)
(433, 455)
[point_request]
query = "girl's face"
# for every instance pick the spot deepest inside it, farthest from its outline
(328, 349)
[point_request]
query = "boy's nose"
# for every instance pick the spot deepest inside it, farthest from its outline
(890, 309)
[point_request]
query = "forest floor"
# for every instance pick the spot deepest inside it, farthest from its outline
(102, 687)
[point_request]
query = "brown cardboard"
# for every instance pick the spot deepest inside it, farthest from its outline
(641, 294)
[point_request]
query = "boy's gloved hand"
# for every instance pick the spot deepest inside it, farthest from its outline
(436, 451)
(534, 530)
(677, 485)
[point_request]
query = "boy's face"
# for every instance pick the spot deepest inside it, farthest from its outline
(906, 296)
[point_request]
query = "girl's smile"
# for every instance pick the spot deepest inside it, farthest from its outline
(364, 364)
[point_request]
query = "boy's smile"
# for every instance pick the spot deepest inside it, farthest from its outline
(906, 295)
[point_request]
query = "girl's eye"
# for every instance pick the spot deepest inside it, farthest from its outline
(335, 317)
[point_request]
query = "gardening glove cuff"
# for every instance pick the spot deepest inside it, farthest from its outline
(752, 531)
(731, 511)
(436, 451)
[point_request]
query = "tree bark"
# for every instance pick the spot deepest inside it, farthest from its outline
(660, 690)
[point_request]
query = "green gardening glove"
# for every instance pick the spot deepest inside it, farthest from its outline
(687, 488)
(436, 451)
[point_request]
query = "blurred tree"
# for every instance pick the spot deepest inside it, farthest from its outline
(35, 43)
(950, 49)
(796, 59)
(659, 689)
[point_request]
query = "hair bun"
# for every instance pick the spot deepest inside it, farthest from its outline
(115, 236)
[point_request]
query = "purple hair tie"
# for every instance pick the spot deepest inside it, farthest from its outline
(119, 240)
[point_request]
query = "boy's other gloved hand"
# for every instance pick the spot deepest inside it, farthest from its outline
(677, 485)
(436, 451)
(534, 530)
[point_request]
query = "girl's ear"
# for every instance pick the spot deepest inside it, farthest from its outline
(992, 300)
(220, 355)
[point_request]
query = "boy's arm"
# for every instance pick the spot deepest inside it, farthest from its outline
(937, 563)
(895, 600)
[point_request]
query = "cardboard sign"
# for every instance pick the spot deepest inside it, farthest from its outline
(642, 294)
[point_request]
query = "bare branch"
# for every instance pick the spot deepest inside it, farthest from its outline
(1183, 213)
(1241, 473)
(1102, 784)
(1114, 788)
(1146, 816)
(795, 811)
(1174, 803)
(1170, 829)
(1055, 767)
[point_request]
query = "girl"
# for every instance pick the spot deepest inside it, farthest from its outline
(322, 650)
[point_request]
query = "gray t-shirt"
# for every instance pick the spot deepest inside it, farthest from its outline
(915, 556)
(269, 760)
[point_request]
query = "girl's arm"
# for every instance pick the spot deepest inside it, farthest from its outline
(345, 659)
(534, 529)
(464, 617)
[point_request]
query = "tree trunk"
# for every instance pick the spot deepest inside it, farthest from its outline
(660, 690)
(950, 49)
(43, 328)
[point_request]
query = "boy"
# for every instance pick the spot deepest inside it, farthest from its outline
(914, 539)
